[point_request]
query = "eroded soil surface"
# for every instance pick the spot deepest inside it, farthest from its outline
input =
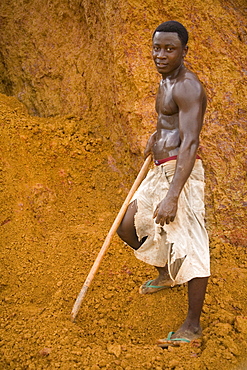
(61, 189)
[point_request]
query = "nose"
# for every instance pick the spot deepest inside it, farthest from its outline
(162, 54)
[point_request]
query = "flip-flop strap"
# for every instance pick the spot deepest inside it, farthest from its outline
(180, 340)
(148, 285)
(169, 337)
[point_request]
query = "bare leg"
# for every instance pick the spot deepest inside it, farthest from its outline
(163, 280)
(126, 230)
(196, 294)
(127, 233)
(191, 328)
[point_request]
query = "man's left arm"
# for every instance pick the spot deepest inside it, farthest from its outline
(189, 96)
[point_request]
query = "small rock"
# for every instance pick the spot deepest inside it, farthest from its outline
(95, 367)
(241, 324)
(114, 348)
(45, 351)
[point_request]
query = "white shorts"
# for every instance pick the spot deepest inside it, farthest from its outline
(183, 243)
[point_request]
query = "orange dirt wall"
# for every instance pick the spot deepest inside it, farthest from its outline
(92, 60)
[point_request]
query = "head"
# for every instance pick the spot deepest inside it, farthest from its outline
(169, 47)
(174, 26)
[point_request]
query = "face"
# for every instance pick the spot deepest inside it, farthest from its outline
(168, 52)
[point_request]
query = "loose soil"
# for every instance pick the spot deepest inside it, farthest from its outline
(61, 189)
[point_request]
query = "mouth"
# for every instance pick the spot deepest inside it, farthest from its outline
(161, 65)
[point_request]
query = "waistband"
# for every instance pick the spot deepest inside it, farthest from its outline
(160, 161)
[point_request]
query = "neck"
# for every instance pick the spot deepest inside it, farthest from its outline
(172, 75)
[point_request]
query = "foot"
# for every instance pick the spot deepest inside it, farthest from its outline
(179, 337)
(153, 286)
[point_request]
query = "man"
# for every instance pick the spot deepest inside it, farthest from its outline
(164, 222)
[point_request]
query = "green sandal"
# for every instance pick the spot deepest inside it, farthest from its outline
(148, 285)
(169, 341)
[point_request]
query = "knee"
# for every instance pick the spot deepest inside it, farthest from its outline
(125, 232)
(121, 232)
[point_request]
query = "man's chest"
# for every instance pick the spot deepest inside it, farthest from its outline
(165, 103)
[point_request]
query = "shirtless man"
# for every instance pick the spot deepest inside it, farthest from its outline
(164, 223)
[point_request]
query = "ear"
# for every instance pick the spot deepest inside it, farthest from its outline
(185, 51)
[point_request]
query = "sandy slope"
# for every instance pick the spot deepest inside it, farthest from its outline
(60, 192)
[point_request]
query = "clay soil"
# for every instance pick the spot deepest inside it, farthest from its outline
(61, 190)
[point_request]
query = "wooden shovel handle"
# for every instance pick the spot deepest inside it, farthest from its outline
(109, 237)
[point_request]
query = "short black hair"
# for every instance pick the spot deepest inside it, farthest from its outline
(174, 26)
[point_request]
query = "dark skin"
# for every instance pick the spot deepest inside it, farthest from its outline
(180, 105)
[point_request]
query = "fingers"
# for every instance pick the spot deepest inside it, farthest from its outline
(147, 153)
(155, 213)
(163, 217)
(163, 220)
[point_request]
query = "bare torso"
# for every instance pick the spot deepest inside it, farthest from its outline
(167, 138)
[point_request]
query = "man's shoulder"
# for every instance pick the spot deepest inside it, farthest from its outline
(188, 77)
(188, 83)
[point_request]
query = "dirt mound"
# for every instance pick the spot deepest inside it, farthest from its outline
(86, 66)
(61, 190)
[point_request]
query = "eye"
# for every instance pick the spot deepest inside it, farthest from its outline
(169, 49)
(156, 48)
